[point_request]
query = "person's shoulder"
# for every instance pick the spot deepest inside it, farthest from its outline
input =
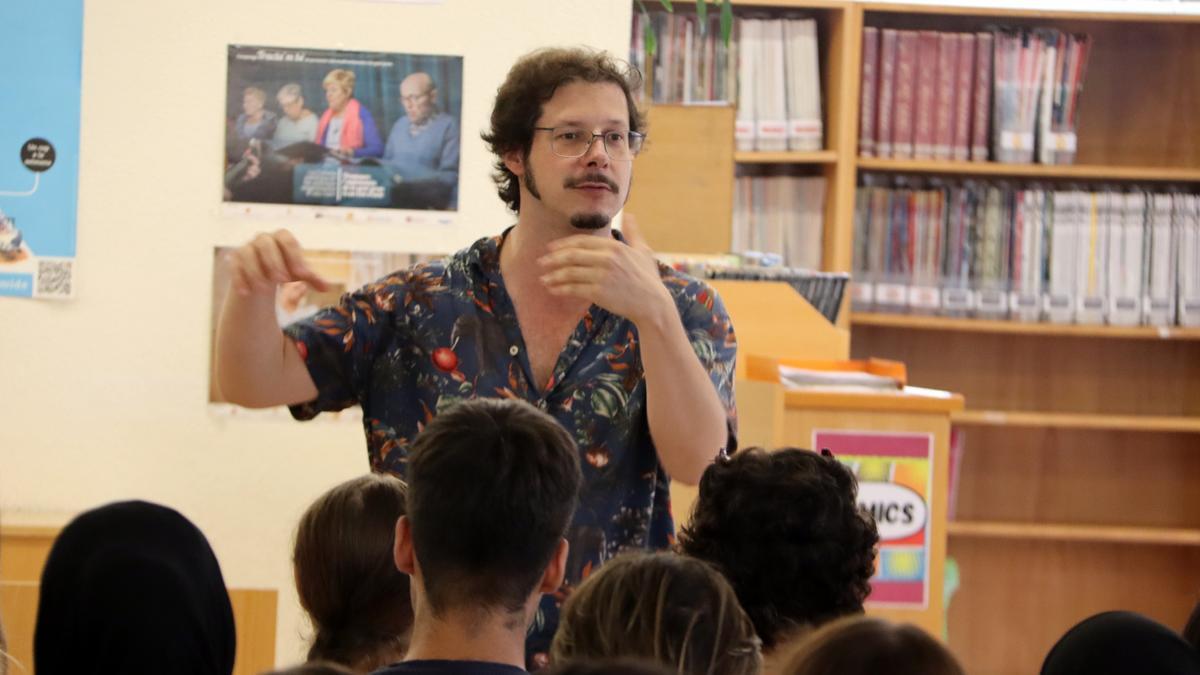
(685, 287)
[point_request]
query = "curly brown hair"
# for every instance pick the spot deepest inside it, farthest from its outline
(530, 83)
(786, 530)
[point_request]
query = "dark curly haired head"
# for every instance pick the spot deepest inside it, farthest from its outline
(786, 529)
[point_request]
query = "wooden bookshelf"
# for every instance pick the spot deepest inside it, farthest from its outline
(1076, 421)
(1081, 533)
(1066, 172)
(813, 157)
(941, 323)
(1076, 488)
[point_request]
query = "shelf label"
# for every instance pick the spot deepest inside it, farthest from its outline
(895, 485)
(1062, 141)
(1016, 140)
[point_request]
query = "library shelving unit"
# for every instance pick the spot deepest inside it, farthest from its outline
(1076, 489)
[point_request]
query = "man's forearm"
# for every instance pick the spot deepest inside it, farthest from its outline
(257, 366)
(688, 421)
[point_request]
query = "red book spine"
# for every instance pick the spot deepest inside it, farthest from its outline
(965, 67)
(867, 106)
(947, 78)
(983, 97)
(925, 109)
(888, 45)
(903, 106)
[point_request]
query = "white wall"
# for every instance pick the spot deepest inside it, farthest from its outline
(104, 397)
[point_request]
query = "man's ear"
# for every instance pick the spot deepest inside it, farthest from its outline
(514, 160)
(406, 559)
(556, 571)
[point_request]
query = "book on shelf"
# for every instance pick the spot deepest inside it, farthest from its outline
(870, 68)
(781, 215)
(1009, 94)
(770, 70)
(1008, 250)
(690, 65)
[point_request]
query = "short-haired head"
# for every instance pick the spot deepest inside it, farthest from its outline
(861, 645)
(493, 485)
(531, 82)
(346, 575)
(341, 77)
(675, 610)
(786, 529)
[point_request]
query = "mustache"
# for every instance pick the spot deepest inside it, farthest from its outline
(591, 178)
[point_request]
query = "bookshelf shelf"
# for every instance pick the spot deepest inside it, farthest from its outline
(1169, 15)
(1162, 423)
(1066, 171)
(937, 323)
(1114, 534)
(814, 157)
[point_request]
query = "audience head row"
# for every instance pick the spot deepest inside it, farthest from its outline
(478, 534)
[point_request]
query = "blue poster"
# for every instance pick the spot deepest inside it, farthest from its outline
(41, 48)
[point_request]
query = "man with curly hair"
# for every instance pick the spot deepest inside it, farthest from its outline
(633, 358)
(786, 529)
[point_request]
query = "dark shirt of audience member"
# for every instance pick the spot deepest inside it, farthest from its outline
(346, 574)
(1121, 643)
(492, 486)
(133, 588)
(607, 667)
(255, 122)
(347, 127)
(860, 645)
(675, 610)
(314, 668)
(785, 528)
(1191, 629)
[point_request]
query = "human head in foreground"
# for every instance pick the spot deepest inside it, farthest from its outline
(674, 610)
(1121, 643)
(346, 574)
(860, 645)
(133, 588)
(785, 528)
(492, 486)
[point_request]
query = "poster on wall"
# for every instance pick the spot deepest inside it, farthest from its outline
(344, 270)
(345, 135)
(895, 478)
(41, 49)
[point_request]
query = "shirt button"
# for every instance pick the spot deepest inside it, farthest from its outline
(512, 351)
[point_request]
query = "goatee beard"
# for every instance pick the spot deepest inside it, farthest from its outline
(589, 221)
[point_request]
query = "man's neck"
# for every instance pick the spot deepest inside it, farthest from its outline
(494, 637)
(531, 237)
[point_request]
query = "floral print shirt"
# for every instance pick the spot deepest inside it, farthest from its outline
(422, 339)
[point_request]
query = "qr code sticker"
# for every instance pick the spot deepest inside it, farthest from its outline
(54, 278)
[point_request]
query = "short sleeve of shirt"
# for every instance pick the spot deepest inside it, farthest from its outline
(339, 345)
(710, 332)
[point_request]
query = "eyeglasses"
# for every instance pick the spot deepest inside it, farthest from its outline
(571, 142)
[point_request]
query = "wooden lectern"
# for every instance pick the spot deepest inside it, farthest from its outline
(897, 442)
